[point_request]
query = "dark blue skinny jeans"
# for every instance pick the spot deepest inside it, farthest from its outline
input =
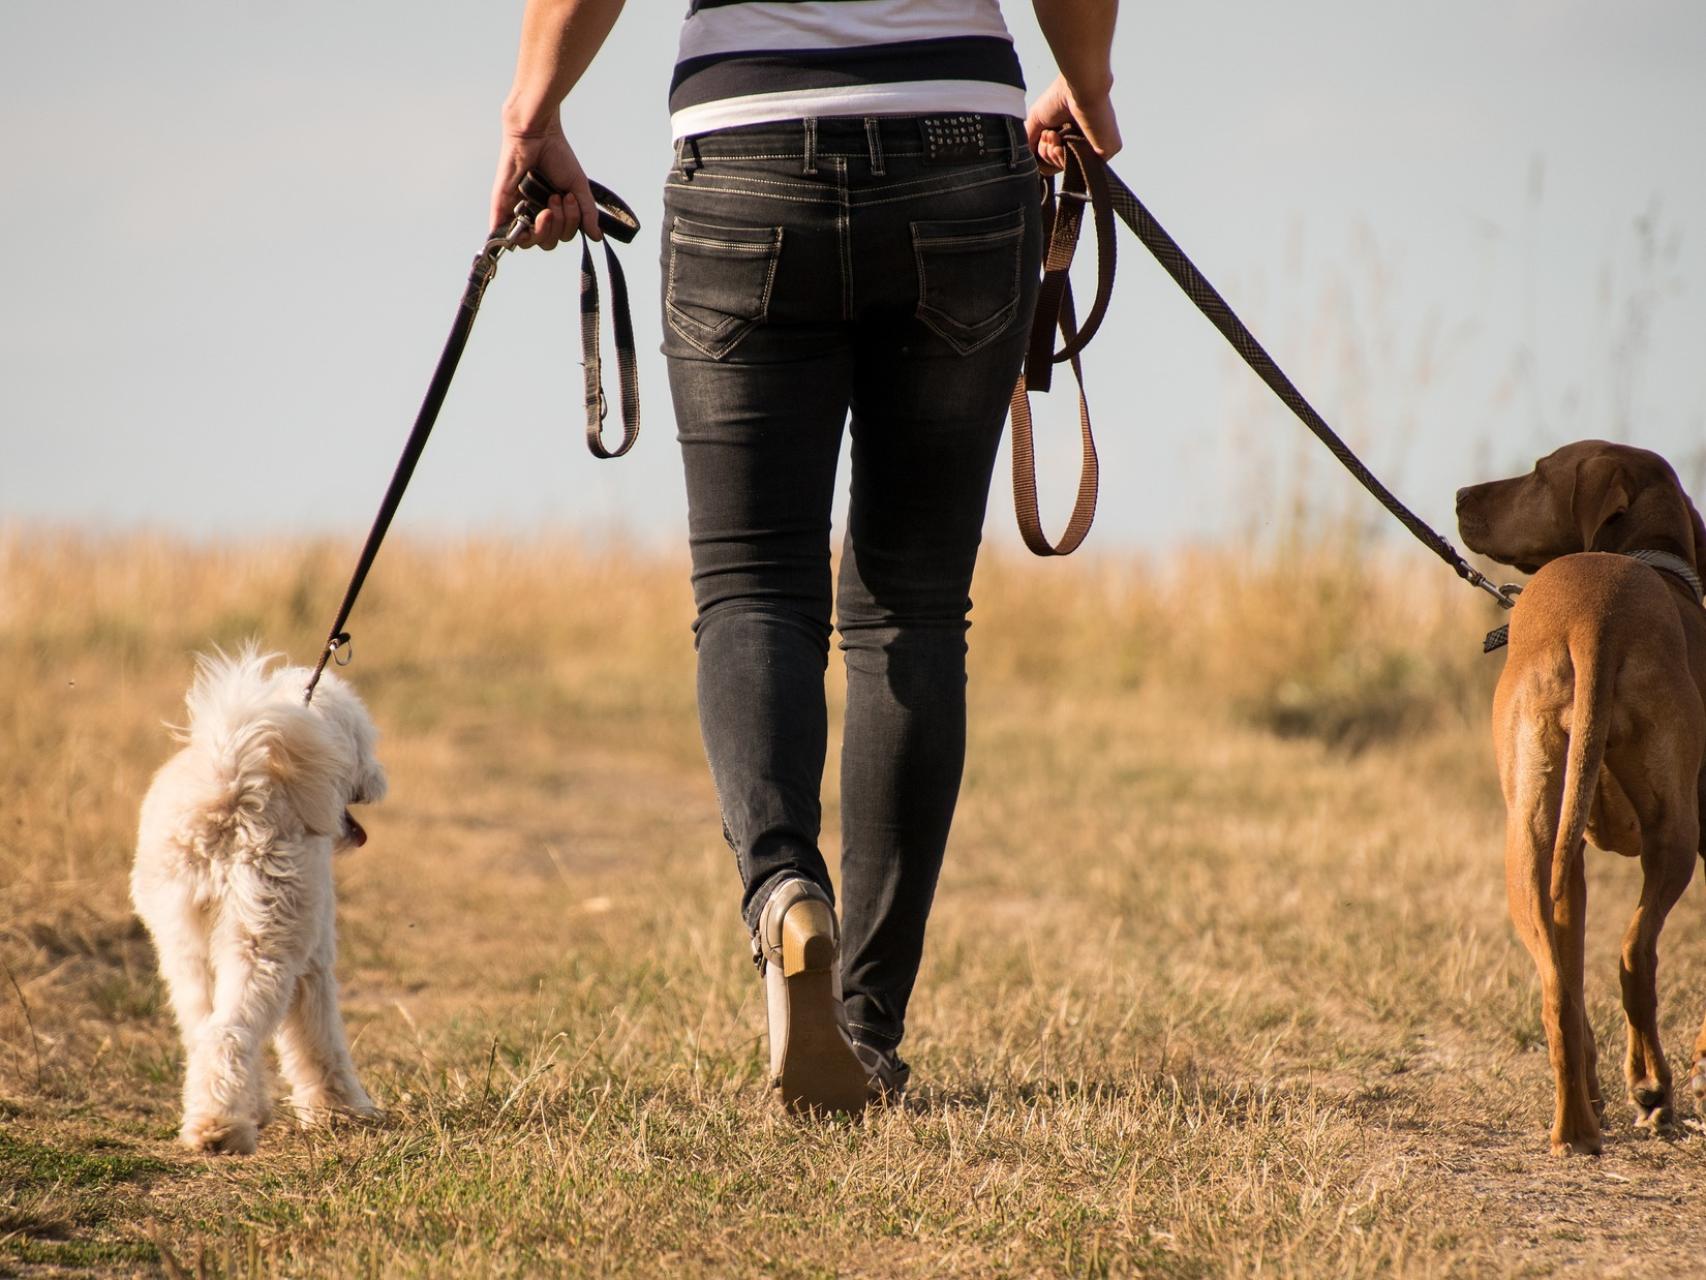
(880, 271)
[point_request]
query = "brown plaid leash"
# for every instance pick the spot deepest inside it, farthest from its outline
(1087, 180)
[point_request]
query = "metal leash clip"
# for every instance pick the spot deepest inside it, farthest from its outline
(1505, 595)
(535, 195)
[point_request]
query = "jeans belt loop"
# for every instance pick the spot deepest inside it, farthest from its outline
(686, 156)
(809, 165)
(1015, 142)
(874, 147)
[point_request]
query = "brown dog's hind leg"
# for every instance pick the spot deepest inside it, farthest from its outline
(1697, 1081)
(1570, 925)
(1666, 875)
(1556, 947)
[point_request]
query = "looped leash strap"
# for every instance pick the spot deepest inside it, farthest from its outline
(1025, 461)
(1103, 186)
(616, 221)
(1063, 219)
(1063, 216)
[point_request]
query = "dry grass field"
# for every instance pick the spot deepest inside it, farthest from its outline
(1219, 983)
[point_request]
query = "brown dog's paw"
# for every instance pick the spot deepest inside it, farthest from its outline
(220, 1135)
(1584, 1142)
(1697, 1082)
(1654, 1109)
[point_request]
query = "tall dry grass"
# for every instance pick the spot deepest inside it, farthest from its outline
(1218, 984)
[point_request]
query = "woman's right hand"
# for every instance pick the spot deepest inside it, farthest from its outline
(1057, 106)
(549, 155)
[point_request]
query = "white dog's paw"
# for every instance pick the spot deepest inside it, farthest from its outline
(328, 1117)
(263, 1105)
(329, 1106)
(219, 1135)
(362, 1110)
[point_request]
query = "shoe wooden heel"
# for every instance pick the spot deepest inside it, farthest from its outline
(813, 1067)
(808, 938)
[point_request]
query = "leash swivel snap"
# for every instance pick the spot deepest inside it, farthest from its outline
(339, 639)
(1505, 595)
(534, 196)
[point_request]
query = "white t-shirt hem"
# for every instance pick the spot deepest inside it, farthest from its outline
(906, 98)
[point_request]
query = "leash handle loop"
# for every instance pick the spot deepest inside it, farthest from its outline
(1025, 503)
(627, 361)
(1083, 183)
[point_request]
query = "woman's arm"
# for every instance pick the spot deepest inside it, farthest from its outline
(1081, 34)
(558, 41)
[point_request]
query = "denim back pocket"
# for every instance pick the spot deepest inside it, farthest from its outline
(719, 283)
(968, 276)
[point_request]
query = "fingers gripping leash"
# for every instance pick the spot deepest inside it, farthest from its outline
(617, 222)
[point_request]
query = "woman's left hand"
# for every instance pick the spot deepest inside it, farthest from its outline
(551, 157)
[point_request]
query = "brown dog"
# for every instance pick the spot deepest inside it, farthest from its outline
(1599, 728)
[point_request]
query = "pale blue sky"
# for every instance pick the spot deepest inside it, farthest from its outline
(238, 231)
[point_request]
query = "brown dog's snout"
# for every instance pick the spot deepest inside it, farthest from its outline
(1471, 512)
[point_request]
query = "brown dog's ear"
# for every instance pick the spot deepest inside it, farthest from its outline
(1699, 534)
(1602, 494)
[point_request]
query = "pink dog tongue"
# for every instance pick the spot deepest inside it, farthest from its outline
(357, 834)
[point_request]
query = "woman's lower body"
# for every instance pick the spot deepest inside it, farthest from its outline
(881, 272)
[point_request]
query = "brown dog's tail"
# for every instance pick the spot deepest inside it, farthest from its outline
(1590, 725)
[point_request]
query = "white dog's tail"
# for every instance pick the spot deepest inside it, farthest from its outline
(1590, 725)
(265, 745)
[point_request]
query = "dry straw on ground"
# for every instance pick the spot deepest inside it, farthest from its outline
(1219, 985)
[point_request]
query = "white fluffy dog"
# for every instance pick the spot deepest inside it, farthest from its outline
(233, 878)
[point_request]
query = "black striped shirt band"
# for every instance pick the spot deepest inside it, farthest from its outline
(958, 74)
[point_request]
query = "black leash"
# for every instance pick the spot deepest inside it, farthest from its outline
(1087, 179)
(617, 221)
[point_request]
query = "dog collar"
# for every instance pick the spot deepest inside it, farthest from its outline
(1676, 566)
(1663, 561)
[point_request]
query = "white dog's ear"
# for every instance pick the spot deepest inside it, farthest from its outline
(342, 706)
(285, 755)
(311, 763)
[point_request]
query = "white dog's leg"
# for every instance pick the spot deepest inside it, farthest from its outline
(180, 940)
(314, 1053)
(179, 929)
(311, 1044)
(255, 970)
(260, 1090)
